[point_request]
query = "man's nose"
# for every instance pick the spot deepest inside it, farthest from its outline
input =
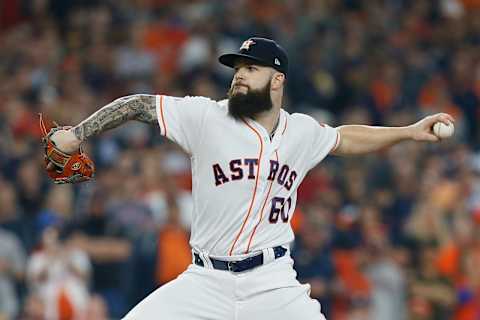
(239, 75)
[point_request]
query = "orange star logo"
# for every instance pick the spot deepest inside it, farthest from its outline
(246, 44)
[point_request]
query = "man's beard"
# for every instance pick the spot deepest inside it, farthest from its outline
(250, 104)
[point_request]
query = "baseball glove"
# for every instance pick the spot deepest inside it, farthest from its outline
(62, 167)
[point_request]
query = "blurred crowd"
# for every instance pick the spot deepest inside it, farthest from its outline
(393, 235)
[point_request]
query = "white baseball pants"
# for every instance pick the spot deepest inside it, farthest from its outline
(270, 291)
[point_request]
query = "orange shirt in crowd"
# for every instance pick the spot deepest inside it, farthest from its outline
(471, 4)
(349, 272)
(448, 260)
(174, 254)
(383, 94)
(166, 41)
(65, 307)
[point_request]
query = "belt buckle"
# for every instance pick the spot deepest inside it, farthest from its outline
(231, 266)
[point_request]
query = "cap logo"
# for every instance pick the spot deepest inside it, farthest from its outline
(277, 62)
(246, 44)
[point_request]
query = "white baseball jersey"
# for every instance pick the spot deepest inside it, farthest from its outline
(244, 183)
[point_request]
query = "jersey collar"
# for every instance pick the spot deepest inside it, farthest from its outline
(279, 132)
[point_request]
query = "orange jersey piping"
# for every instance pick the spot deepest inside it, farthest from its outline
(254, 190)
(261, 211)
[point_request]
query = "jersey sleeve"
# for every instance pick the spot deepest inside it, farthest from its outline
(324, 140)
(182, 119)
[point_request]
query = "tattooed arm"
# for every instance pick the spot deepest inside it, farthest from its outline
(140, 107)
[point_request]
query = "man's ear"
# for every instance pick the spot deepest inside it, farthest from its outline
(277, 81)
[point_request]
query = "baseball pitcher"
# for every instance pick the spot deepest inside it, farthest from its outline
(248, 158)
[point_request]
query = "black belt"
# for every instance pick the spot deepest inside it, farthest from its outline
(241, 265)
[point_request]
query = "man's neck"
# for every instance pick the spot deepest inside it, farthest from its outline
(269, 119)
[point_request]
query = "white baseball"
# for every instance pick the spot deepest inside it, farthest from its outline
(442, 130)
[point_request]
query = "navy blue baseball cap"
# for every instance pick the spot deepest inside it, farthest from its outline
(260, 50)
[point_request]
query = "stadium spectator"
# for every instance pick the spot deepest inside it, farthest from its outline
(59, 274)
(12, 269)
(107, 244)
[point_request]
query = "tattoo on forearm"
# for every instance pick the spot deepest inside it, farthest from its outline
(139, 107)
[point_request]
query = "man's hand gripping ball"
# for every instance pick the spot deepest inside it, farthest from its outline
(61, 166)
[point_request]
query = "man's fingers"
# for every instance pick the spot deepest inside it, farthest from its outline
(50, 166)
(429, 137)
(444, 117)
